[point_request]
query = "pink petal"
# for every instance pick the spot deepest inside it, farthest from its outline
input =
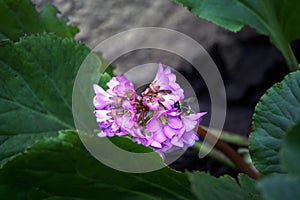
(110, 134)
(169, 100)
(189, 138)
(156, 144)
(159, 71)
(113, 83)
(101, 102)
(102, 98)
(101, 134)
(102, 115)
(114, 127)
(174, 122)
(189, 124)
(142, 141)
(167, 71)
(124, 122)
(196, 116)
(122, 133)
(177, 142)
(159, 136)
(169, 132)
(153, 125)
(98, 89)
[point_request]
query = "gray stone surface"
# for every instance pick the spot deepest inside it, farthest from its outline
(100, 19)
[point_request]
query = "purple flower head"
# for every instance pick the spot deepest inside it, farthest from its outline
(151, 119)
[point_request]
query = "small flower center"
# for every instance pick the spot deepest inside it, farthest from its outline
(129, 94)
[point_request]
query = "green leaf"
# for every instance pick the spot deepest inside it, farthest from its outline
(285, 186)
(280, 186)
(19, 18)
(290, 153)
(276, 18)
(36, 82)
(59, 26)
(207, 187)
(2, 38)
(61, 167)
(128, 144)
(277, 111)
(104, 78)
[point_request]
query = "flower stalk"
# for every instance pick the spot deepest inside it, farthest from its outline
(229, 152)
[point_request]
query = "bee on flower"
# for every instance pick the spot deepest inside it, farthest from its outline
(155, 118)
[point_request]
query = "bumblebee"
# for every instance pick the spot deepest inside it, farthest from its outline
(182, 107)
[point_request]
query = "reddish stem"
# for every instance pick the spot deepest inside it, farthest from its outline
(229, 152)
(143, 120)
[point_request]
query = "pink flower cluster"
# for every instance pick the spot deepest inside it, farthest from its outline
(153, 118)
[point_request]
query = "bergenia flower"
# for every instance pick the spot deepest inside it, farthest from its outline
(152, 119)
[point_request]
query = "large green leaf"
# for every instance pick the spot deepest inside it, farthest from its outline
(36, 82)
(277, 111)
(61, 167)
(280, 186)
(285, 186)
(208, 187)
(276, 18)
(290, 153)
(19, 18)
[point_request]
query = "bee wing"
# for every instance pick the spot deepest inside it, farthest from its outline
(190, 104)
(189, 100)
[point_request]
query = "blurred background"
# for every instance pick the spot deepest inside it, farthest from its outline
(247, 61)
